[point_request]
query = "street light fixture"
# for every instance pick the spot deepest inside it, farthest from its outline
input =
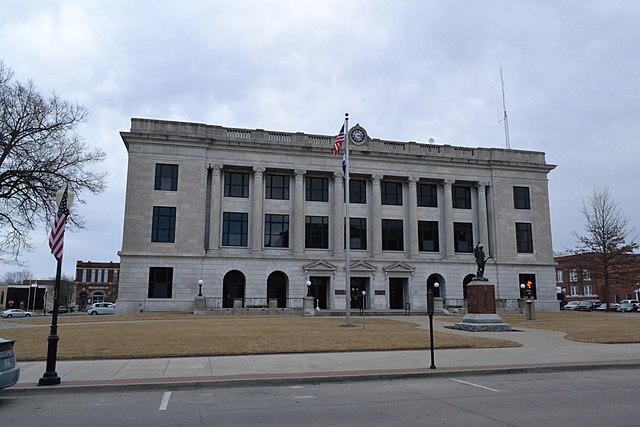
(430, 310)
(200, 283)
(308, 283)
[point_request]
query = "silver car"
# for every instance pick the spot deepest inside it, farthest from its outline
(9, 371)
(15, 312)
(102, 308)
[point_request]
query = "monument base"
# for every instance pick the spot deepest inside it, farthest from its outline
(475, 322)
(309, 309)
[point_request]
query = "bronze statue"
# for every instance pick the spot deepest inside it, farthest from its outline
(480, 261)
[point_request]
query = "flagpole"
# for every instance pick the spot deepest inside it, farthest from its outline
(347, 262)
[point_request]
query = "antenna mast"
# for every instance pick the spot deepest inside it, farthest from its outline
(505, 119)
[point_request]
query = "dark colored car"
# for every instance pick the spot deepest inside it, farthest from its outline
(588, 305)
(9, 371)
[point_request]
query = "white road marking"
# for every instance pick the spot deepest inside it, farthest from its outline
(304, 397)
(165, 401)
(475, 385)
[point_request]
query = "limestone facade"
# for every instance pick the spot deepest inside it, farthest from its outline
(203, 201)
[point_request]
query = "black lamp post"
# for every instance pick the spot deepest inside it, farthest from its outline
(200, 283)
(430, 310)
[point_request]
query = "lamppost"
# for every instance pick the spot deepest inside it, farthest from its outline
(308, 283)
(200, 283)
(34, 286)
(430, 310)
(529, 308)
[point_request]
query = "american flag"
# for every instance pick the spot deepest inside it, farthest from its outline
(56, 239)
(338, 143)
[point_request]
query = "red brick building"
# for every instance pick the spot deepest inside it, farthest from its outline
(578, 279)
(96, 282)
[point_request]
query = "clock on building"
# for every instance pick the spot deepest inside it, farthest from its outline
(357, 135)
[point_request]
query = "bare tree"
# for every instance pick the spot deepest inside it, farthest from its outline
(604, 243)
(39, 153)
(67, 295)
(17, 277)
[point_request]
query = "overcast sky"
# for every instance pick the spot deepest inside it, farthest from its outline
(405, 70)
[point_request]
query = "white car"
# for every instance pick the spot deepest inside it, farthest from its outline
(15, 312)
(102, 308)
(571, 305)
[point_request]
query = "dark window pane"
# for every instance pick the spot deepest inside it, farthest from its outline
(277, 187)
(166, 177)
(316, 232)
(427, 195)
(276, 231)
(163, 226)
(524, 237)
(392, 235)
(317, 189)
(160, 282)
(236, 184)
(235, 227)
(521, 198)
(358, 233)
(391, 193)
(463, 237)
(428, 238)
(461, 197)
(358, 191)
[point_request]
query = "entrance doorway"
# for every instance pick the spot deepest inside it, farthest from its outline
(359, 284)
(397, 287)
(319, 290)
(232, 288)
(277, 288)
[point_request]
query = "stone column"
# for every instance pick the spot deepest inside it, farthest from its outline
(483, 233)
(412, 227)
(216, 208)
(338, 214)
(490, 245)
(257, 220)
(298, 212)
(447, 227)
(376, 215)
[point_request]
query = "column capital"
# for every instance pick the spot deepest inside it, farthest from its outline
(337, 176)
(448, 182)
(376, 177)
(258, 170)
(215, 168)
(299, 173)
(412, 180)
(481, 185)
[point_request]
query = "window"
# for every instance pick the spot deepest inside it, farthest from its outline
(160, 282)
(317, 189)
(236, 184)
(521, 198)
(461, 197)
(392, 235)
(428, 240)
(276, 231)
(316, 232)
(587, 290)
(427, 195)
(235, 227)
(573, 275)
(524, 237)
(586, 275)
(277, 187)
(358, 233)
(166, 177)
(463, 237)
(163, 228)
(358, 191)
(391, 193)
(559, 276)
(574, 291)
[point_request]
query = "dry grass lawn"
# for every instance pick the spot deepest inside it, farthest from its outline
(174, 334)
(148, 335)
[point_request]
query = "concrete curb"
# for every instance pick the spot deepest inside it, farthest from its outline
(265, 380)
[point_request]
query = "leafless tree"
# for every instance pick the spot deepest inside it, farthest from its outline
(605, 242)
(17, 277)
(67, 295)
(39, 153)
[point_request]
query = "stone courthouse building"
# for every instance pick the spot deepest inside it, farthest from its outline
(257, 215)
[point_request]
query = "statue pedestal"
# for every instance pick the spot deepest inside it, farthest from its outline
(481, 309)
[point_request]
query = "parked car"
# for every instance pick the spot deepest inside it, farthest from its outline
(9, 371)
(587, 305)
(571, 305)
(632, 301)
(627, 306)
(15, 312)
(102, 308)
(64, 309)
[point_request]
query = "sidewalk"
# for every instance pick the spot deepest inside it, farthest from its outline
(541, 350)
